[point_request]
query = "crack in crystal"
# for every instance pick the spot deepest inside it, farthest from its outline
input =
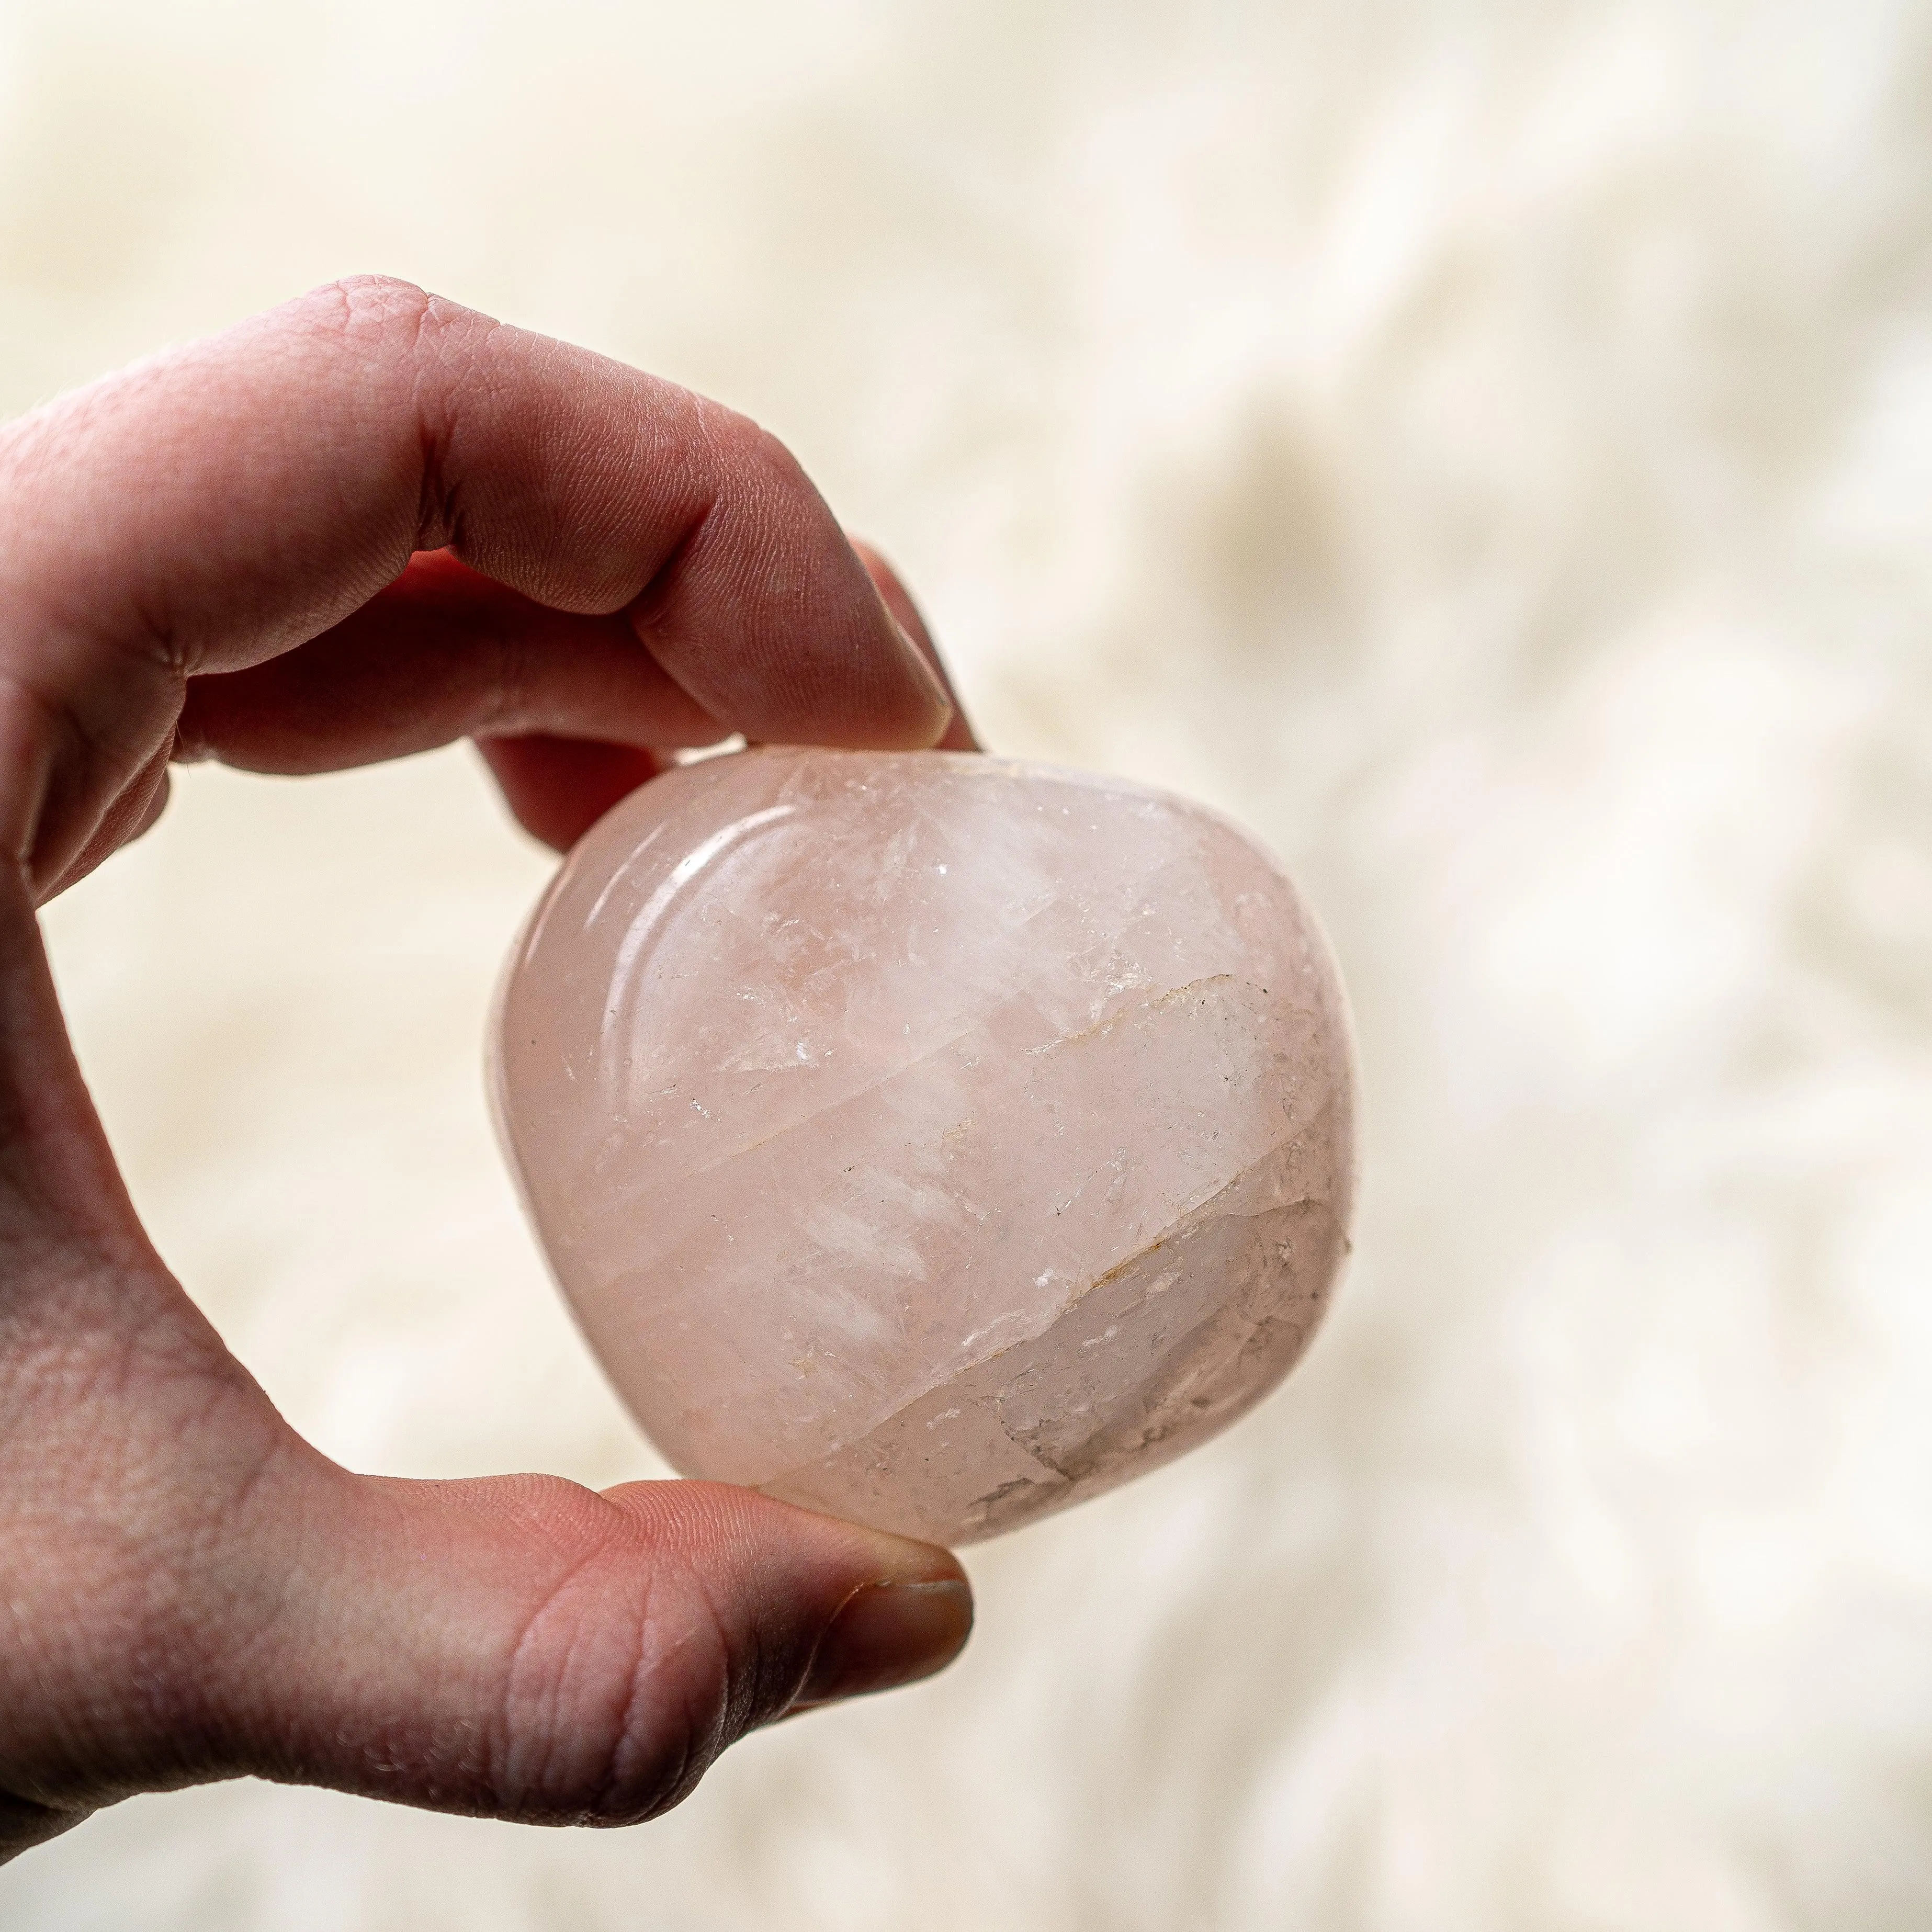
(1200, 1215)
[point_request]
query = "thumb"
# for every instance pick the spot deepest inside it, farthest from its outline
(527, 1648)
(188, 1590)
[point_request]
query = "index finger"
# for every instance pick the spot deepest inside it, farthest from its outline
(225, 502)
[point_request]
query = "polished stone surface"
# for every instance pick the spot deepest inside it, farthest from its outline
(930, 1139)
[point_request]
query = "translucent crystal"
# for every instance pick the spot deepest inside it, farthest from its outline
(927, 1139)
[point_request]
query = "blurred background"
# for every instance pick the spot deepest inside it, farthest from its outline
(1486, 445)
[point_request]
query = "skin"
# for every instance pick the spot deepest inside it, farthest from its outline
(364, 523)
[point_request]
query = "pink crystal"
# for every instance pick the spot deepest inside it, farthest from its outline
(930, 1139)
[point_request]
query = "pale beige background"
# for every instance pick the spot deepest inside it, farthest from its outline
(1486, 446)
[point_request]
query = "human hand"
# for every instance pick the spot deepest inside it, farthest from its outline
(368, 523)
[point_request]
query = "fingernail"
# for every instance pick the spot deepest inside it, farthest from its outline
(934, 684)
(887, 1634)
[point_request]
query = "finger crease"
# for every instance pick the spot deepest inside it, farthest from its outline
(646, 609)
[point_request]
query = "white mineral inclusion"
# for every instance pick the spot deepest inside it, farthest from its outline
(929, 1138)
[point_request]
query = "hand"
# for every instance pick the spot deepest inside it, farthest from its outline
(365, 523)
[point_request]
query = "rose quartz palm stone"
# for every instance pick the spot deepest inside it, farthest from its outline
(929, 1139)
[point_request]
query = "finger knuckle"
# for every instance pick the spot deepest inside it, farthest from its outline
(503, 673)
(387, 319)
(750, 458)
(612, 1719)
(358, 302)
(776, 470)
